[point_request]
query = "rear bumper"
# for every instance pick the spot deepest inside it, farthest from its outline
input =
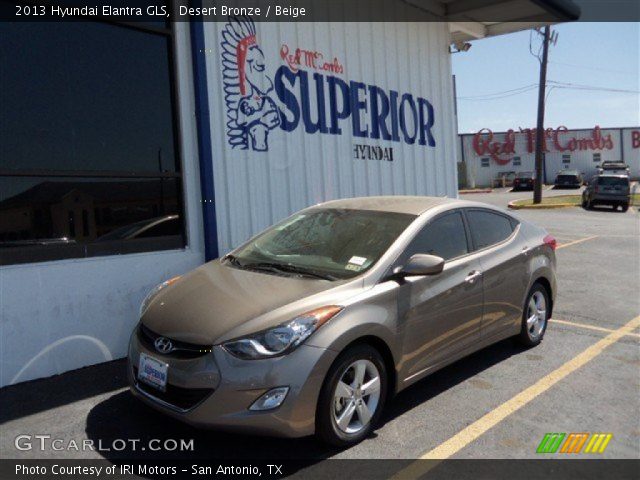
(615, 199)
(235, 384)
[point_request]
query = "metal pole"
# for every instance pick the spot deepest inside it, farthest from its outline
(537, 188)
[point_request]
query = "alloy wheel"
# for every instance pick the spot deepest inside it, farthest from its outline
(536, 315)
(356, 396)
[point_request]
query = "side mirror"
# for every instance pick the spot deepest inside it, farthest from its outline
(421, 264)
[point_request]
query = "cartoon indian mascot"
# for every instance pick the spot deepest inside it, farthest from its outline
(251, 112)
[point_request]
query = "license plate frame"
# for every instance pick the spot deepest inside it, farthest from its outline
(153, 372)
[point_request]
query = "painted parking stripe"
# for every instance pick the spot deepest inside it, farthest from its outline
(476, 429)
(589, 327)
(575, 242)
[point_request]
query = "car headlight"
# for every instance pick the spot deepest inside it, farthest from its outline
(154, 291)
(283, 338)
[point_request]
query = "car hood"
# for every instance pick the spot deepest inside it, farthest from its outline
(217, 302)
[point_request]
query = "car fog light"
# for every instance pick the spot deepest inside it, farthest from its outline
(272, 399)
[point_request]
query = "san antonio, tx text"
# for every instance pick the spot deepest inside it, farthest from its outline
(140, 469)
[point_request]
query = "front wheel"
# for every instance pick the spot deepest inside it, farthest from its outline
(352, 396)
(624, 207)
(534, 316)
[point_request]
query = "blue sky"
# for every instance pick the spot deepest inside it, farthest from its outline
(595, 54)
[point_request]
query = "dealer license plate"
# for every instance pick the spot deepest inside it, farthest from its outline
(153, 372)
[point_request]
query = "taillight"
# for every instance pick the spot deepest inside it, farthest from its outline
(550, 241)
(595, 189)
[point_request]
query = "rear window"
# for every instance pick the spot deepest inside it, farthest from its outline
(613, 181)
(568, 176)
(525, 174)
(488, 228)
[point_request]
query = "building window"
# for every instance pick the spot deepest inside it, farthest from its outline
(517, 161)
(566, 160)
(596, 157)
(484, 162)
(89, 157)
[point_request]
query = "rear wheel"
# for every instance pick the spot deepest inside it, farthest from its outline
(534, 316)
(624, 207)
(352, 397)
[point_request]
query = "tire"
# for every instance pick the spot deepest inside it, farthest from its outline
(624, 207)
(332, 404)
(584, 203)
(532, 331)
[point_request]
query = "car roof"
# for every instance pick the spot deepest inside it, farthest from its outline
(412, 205)
(565, 172)
(614, 175)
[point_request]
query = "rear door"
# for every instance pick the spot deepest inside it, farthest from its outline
(502, 253)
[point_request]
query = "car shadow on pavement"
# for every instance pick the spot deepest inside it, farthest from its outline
(123, 417)
(35, 396)
(449, 377)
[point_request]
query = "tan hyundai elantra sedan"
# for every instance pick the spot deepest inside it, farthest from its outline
(310, 326)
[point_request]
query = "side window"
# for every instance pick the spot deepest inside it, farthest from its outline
(445, 236)
(488, 228)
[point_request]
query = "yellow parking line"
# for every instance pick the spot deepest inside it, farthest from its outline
(575, 242)
(491, 419)
(590, 327)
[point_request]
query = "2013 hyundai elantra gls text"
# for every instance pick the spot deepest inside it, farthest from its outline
(313, 324)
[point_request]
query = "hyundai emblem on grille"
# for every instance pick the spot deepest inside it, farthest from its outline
(163, 345)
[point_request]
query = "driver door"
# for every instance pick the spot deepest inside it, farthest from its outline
(440, 315)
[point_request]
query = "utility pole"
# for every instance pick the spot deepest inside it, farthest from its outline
(537, 186)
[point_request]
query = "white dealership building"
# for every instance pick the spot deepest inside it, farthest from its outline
(135, 152)
(488, 155)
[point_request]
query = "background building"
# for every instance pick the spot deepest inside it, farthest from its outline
(487, 155)
(219, 128)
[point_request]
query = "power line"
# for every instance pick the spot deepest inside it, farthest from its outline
(555, 84)
(587, 67)
(577, 86)
(513, 91)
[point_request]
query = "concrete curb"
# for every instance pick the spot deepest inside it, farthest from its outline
(542, 206)
(466, 192)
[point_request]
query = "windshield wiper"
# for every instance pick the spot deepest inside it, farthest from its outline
(289, 268)
(233, 260)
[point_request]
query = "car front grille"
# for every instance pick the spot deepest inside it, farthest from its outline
(182, 398)
(180, 349)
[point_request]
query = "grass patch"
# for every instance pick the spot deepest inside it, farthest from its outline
(568, 200)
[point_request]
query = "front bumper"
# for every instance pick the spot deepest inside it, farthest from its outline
(229, 386)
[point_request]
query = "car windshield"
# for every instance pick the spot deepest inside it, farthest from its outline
(613, 181)
(326, 243)
(525, 174)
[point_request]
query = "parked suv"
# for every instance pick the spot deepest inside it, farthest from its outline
(614, 168)
(607, 189)
(569, 179)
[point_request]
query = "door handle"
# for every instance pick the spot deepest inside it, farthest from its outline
(473, 276)
(525, 250)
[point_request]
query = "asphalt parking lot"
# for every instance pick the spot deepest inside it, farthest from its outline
(498, 403)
